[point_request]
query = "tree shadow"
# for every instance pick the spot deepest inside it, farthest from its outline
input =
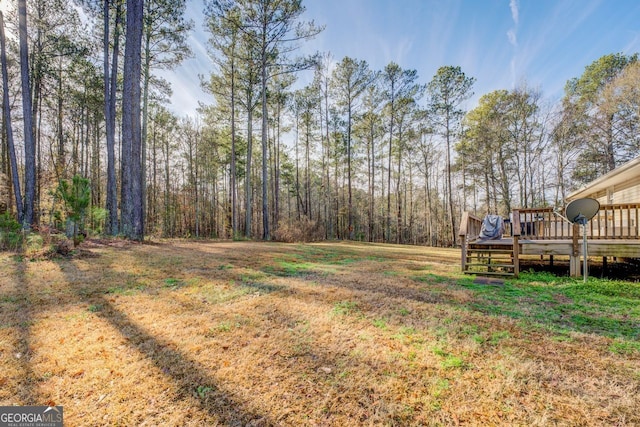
(188, 374)
(23, 321)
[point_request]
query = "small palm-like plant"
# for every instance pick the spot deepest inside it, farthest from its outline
(76, 196)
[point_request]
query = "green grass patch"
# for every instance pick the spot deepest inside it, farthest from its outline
(430, 278)
(404, 312)
(604, 307)
(222, 327)
(344, 308)
(439, 351)
(499, 336)
(253, 277)
(380, 324)
(290, 269)
(625, 347)
(9, 299)
(202, 391)
(125, 290)
(439, 387)
(453, 362)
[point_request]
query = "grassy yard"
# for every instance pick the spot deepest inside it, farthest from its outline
(259, 334)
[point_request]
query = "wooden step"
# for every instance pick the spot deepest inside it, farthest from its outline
(484, 264)
(490, 259)
(485, 255)
(490, 251)
(489, 273)
(508, 260)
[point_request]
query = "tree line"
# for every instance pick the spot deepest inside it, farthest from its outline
(357, 153)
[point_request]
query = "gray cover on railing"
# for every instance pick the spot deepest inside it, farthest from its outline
(492, 228)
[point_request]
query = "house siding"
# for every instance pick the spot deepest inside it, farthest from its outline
(629, 193)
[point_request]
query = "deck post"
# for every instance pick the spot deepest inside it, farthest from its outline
(463, 239)
(516, 242)
(463, 251)
(574, 258)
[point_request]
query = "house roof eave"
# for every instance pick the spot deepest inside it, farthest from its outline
(617, 176)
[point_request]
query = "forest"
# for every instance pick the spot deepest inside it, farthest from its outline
(89, 138)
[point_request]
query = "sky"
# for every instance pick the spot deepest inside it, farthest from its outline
(501, 43)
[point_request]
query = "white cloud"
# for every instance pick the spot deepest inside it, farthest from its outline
(515, 15)
(513, 4)
(512, 36)
(513, 39)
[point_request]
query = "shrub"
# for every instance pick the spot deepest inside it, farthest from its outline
(11, 237)
(303, 230)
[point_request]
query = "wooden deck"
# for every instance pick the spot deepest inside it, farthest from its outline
(595, 247)
(613, 232)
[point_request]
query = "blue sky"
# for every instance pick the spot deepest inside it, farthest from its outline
(499, 42)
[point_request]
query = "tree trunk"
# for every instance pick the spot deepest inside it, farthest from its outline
(265, 188)
(61, 166)
(110, 82)
(398, 190)
(449, 186)
(392, 114)
(13, 163)
(372, 207)
(248, 189)
(167, 228)
(330, 232)
(36, 78)
(234, 194)
(132, 210)
(350, 203)
(29, 143)
(145, 109)
(276, 174)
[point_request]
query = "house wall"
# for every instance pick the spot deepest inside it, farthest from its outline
(600, 196)
(627, 192)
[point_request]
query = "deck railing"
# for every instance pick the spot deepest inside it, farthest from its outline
(613, 221)
(469, 227)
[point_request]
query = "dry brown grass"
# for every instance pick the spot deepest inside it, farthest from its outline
(243, 333)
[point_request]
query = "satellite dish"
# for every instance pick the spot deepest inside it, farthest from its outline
(580, 211)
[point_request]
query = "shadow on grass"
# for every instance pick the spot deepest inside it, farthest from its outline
(189, 375)
(26, 393)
